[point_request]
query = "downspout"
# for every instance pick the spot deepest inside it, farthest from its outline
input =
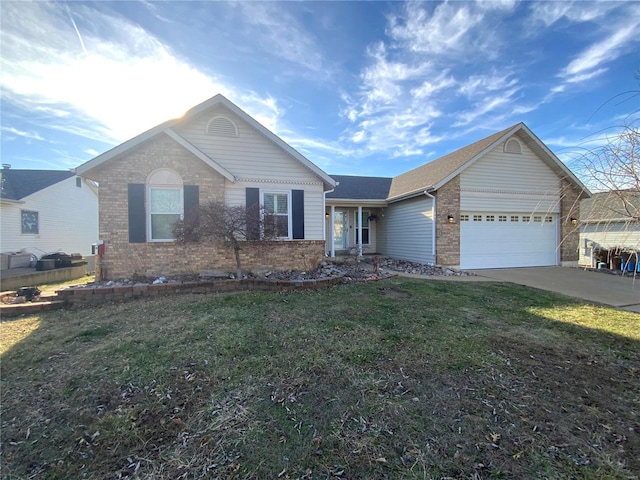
(433, 224)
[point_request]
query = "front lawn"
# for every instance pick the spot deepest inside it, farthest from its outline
(393, 379)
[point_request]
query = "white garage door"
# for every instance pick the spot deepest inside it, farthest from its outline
(499, 240)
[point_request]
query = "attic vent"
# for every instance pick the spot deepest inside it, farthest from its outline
(221, 127)
(512, 146)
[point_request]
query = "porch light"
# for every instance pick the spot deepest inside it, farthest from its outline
(573, 220)
(451, 219)
(326, 216)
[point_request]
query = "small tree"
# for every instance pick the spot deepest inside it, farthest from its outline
(236, 226)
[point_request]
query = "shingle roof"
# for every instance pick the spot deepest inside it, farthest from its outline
(610, 206)
(356, 188)
(17, 184)
(432, 173)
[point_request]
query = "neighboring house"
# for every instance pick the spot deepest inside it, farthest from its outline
(610, 229)
(214, 151)
(46, 211)
(504, 201)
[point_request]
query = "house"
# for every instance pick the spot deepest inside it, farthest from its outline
(610, 229)
(215, 151)
(503, 201)
(45, 211)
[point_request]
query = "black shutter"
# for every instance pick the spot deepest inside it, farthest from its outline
(297, 212)
(137, 214)
(191, 198)
(253, 213)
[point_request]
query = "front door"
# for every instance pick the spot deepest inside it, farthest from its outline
(341, 230)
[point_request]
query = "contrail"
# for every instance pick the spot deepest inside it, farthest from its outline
(76, 28)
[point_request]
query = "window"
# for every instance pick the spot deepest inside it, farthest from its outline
(165, 207)
(477, 218)
(502, 218)
(464, 218)
(365, 228)
(537, 219)
(526, 218)
(165, 204)
(276, 206)
(29, 222)
(490, 218)
(514, 218)
(548, 219)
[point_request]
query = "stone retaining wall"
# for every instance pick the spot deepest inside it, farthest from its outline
(77, 297)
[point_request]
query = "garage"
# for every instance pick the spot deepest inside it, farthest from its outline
(502, 240)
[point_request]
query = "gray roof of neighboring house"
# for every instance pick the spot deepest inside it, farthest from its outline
(17, 184)
(615, 205)
(360, 188)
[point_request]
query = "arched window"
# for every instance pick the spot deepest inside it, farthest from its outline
(166, 204)
(512, 146)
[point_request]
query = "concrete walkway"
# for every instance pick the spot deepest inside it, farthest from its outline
(616, 291)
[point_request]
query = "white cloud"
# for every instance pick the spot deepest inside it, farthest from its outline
(123, 84)
(605, 51)
(445, 30)
(22, 133)
(282, 35)
(428, 88)
(488, 104)
(551, 12)
(493, 81)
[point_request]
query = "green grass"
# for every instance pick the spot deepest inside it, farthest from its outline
(395, 379)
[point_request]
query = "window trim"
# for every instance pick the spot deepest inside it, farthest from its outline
(289, 209)
(22, 219)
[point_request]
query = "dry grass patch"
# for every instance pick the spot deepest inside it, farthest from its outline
(396, 379)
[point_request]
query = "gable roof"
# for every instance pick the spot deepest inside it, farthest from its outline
(219, 99)
(18, 184)
(611, 206)
(433, 175)
(356, 188)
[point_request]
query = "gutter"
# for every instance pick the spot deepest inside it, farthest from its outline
(415, 193)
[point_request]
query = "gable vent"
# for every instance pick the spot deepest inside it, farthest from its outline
(221, 127)
(512, 146)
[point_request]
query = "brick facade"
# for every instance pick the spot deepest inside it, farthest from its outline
(570, 197)
(124, 259)
(448, 234)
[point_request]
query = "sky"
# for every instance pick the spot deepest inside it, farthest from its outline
(359, 88)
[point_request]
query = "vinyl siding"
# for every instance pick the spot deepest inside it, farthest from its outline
(608, 235)
(247, 156)
(509, 182)
(67, 218)
(409, 230)
(313, 206)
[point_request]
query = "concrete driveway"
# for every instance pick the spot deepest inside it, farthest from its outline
(620, 292)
